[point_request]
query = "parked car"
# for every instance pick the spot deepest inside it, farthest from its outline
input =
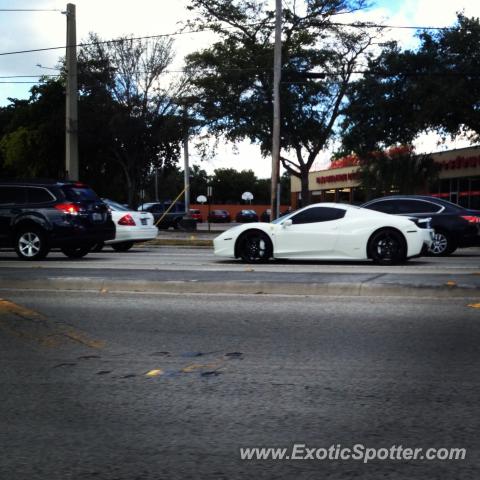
(455, 226)
(219, 216)
(165, 214)
(130, 227)
(327, 231)
(196, 215)
(36, 216)
(265, 215)
(244, 216)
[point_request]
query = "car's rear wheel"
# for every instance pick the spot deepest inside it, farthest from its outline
(442, 244)
(122, 246)
(387, 247)
(254, 247)
(31, 244)
(76, 252)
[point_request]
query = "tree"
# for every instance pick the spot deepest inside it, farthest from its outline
(233, 77)
(407, 92)
(397, 169)
(32, 141)
(144, 124)
(228, 184)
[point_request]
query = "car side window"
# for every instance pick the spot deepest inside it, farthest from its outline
(417, 206)
(13, 195)
(318, 214)
(384, 206)
(39, 195)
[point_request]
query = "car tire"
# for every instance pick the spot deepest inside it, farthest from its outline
(122, 246)
(98, 247)
(76, 252)
(31, 243)
(443, 244)
(387, 247)
(254, 246)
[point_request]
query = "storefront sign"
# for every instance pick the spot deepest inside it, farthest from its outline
(341, 177)
(461, 162)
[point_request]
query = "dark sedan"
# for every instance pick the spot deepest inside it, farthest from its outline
(455, 226)
(219, 216)
(244, 216)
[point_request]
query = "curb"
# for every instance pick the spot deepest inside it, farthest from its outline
(251, 287)
(180, 242)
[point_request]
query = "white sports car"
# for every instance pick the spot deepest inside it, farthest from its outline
(327, 231)
(130, 227)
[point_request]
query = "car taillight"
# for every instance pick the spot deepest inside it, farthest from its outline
(471, 218)
(127, 220)
(69, 208)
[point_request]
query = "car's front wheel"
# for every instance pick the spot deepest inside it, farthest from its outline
(31, 244)
(387, 247)
(254, 247)
(122, 246)
(76, 252)
(442, 245)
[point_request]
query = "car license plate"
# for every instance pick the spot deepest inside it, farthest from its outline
(97, 217)
(144, 221)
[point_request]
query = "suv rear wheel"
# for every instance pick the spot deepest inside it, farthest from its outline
(31, 244)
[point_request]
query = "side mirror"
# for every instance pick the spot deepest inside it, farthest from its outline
(287, 223)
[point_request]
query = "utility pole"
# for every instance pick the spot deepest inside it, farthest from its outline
(186, 174)
(277, 72)
(71, 120)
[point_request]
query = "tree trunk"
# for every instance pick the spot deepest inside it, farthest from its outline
(305, 191)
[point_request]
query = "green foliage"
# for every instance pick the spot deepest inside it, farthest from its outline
(32, 141)
(407, 92)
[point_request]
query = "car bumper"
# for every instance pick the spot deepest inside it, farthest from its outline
(134, 235)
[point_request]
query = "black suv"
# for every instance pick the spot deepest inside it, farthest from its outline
(455, 226)
(172, 218)
(37, 216)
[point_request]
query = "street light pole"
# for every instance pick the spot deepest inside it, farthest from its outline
(71, 117)
(277, 68)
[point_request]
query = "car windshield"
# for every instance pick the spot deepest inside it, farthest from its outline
(116, 206)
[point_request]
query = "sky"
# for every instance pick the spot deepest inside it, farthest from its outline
(114, 18)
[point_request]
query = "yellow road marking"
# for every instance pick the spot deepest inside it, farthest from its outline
(154, 373)
(39, 328)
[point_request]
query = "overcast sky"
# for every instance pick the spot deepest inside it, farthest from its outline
(113, 18)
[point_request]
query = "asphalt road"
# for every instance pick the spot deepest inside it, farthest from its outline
(232, 372)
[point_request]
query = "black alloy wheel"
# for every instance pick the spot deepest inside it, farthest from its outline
(31, 244)
(387, 247)
(255, 247)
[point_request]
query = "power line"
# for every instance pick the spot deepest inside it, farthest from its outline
(203, 30)
(28, 76)
(30, 10)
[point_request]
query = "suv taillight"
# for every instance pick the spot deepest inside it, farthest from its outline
(127, 220)
(69, 208)
(471, 218)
